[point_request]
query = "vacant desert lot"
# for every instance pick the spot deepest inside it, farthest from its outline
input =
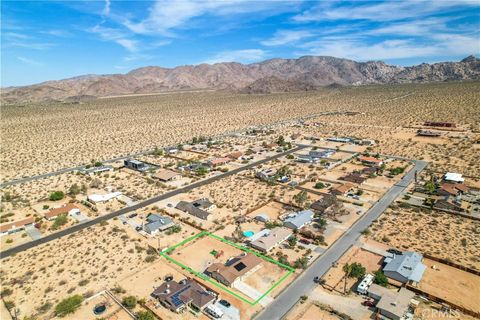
(451, 284)
(83, 263)
(40, 138)
(439, 234)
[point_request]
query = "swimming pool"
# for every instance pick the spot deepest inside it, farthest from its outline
(248, 234)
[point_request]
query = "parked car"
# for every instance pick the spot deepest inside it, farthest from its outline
(133, 215)
(309, 258)
(394, 251)
(316, 279)
(138, 228)
(225, 303)
(368, 303)
(305, 241)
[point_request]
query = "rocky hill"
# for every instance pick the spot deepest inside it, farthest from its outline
(275, 75)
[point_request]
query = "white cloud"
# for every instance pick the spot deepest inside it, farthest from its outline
(166, 15)
(285, 37)
(106, 8)
(58, 33)
(379, 11)
(130, 45)
(355, 49)
(245, 56)
(30, 61)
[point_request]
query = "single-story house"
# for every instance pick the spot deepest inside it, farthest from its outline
(370, 170)
(371, 161)
(271, 238)
(166, 175)
(295, 136)
(15, 226)
(136, 165)
(176, 296)
(198, 208)
(323, 203)
(452, 189)
(234, 269)
(354, 177)
(439, 124)
(299, 219)
(342, 190)
(340, 139)
(428, 133)
(321, 153)
(218, 162)
(265, 174)
(234, 155)
(365, 142)
(69, 209)
(156, 223)
(407, 267)
(270, 146)
(394, 305)
(453, 177)
(103, 197)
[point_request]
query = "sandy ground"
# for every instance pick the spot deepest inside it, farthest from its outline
(436, 233)
(335, 276)
(451, 284)
(83, 263)
(310, 311)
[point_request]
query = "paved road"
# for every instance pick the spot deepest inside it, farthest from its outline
(139, 205)
(304, 284)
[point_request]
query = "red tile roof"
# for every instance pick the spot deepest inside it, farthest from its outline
(58, 211)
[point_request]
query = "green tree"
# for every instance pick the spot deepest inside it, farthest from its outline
(430, 186)
(129, 302)
(281, 141)
(145, 315)
(380, 278)
(56, 195)
(352, 270)
(300, 198)
(301, 263)
(61, 220)
(68, 305)
(74, 189)
(292, 241)
(319, 185)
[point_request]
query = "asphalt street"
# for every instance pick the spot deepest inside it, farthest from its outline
(145, 203)
(304, 284)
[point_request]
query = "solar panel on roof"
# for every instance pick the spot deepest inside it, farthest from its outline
(240, 266)
(176, 297)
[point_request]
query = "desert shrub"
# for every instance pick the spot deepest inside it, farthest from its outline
(319, 185)
(68, 305)
(60, 221)
(129, 302)
(56, 195)
(145, 315)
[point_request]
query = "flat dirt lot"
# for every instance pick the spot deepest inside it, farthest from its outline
(451, 284)
(439, 234)
(311, 311)
(83, 263)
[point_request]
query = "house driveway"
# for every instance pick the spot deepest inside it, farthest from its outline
(33, 232)
(251, 292)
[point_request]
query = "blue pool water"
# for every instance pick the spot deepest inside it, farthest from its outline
(99, 309)
(248, 234)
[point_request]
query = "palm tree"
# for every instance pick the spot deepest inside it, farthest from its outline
(347, 268)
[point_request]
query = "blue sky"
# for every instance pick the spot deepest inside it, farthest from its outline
(52, 40)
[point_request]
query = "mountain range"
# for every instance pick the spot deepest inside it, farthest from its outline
(275, 75)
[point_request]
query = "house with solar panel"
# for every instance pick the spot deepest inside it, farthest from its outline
(235, 269)
(177, 296)
(405, 268)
